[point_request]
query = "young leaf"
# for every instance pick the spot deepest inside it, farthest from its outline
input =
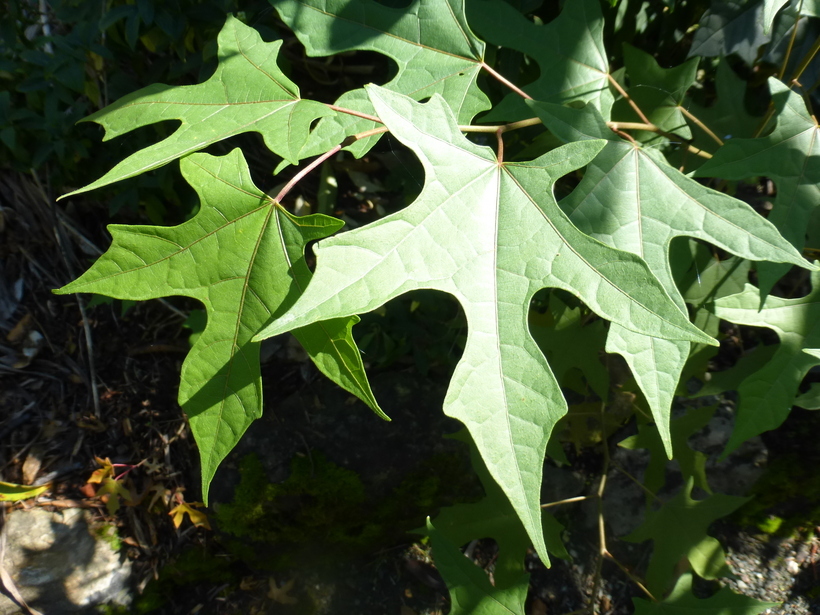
(569, 51)
(630, 198)
(767, 395)
(690, 520)
(430, 42)
(491, 234)
(471, 592)
(790, 156)
(681, 601)
(242, 256)
(247, 93)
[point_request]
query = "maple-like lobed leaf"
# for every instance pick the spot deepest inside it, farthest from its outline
(632, 199)
(492, 235)
(790, 156)
(248, 92)
(569, 51)
(430, 41)
(471, 592)
(681, 601)
(691, 520)
(766, 396)
(242, 256)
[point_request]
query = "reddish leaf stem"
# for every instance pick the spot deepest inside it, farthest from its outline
(298, 177)
(505, 81)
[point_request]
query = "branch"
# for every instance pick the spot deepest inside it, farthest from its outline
(298, 177)
(505, 81)
(701, 125)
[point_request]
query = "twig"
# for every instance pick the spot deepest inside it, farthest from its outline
(628, 98)
(701, 125)
(505, 81)
(89, 344)
(364, 116)
(631, 576)
(579, 498)
(806, 60)
(791, 43)
(298, 177)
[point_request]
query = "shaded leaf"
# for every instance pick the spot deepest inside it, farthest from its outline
(494, 517)
(767, 395)
(429, 41)
(692, 463)
(632, 199)
(242, 256)
(463, 235)
(690, 520)
(569, 51)
(731, 27)
(658, 91)
(790, 156)
(471, 592)
(681, 601)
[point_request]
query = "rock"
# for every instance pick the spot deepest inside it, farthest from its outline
(60, 564)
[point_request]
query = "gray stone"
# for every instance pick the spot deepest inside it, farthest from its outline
(60, 563)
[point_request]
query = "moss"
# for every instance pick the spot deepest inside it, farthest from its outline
(787, 499)
(323, 512)
(193, 567)
(108, 534)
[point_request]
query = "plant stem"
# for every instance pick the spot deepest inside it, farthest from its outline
(807, 59)
(364, 116)
(618, 126)
(791, 43)
(579, 498)
(505, 81)
(628, 99)
(297, 178)
(701, 125)
(631, 576)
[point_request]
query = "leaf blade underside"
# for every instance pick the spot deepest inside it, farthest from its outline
(491, 235)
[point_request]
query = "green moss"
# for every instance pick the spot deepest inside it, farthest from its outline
(108, 533)
(787, 498)
(323, 513)
(193, 567)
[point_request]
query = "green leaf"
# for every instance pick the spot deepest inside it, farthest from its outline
(727, 117)
(681, 601)
(248, 92)
(494, 517)
(790, 156)
(12, 492)
(690, 520)
(492, 235)
(471, 592)
(767, 395)
(569, 343)
(810, 400)
(770, 9)
(569, 51)
(630, 198)
(692, 463)
(730, 27)
(429, 41)
(242, 256)
(658, 91)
